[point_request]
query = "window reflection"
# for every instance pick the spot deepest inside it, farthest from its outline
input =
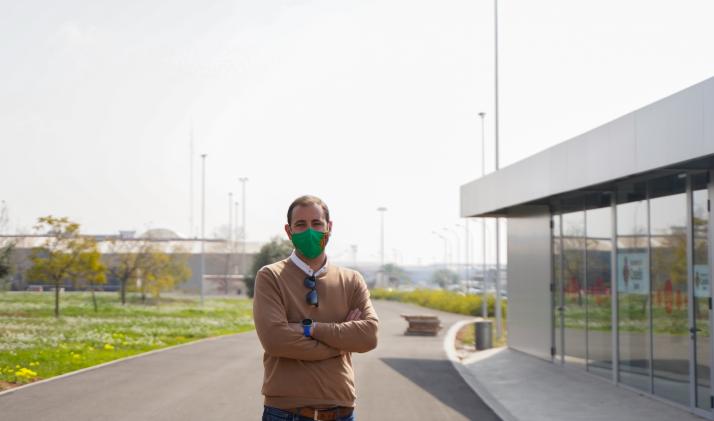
(633, 286)
(574, 308)
(599, 309)
(557, 285)
(670, 322)
(702, 292)
(652, 280)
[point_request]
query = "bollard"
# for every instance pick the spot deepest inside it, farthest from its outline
(484, 334)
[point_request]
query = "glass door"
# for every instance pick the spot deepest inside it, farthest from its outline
(701, 292)
(557, 291)
(574, 306)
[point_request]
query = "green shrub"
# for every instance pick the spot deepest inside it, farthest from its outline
(451, 302)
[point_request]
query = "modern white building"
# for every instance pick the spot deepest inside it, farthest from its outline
(609, 249)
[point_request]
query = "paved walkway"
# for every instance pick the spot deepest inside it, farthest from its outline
(524, 388)
(405, 378)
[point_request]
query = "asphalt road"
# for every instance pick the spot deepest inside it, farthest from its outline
(405, 378)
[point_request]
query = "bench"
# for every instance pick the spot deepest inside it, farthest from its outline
(422, 325)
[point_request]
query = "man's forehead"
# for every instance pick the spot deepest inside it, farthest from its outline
(310, 211)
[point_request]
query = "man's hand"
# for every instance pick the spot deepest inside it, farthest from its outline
(354, 314)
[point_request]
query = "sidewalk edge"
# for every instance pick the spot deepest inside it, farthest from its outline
(469, 377)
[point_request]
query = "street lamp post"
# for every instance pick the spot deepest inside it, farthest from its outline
(446, 253)
(484, 305)
(457, 249)
(234, 234)
(467, 255)
(203, 223)
(229, 234)
(499, 331)
(381, 211)
(243, 232)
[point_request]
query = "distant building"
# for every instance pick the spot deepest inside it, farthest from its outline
(225, 265)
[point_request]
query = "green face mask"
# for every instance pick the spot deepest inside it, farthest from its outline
(310, 243)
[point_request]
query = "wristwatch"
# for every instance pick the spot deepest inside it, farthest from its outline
(306, 325)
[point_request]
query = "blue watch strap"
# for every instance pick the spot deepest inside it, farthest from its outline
(306, 330)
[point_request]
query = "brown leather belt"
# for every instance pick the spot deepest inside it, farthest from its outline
(323, 414)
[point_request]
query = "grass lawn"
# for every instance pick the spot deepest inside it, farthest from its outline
(34, 345)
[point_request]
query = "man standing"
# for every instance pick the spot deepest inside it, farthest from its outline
(310, 316)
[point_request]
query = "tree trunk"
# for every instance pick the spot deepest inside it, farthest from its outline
(123, 292)
(94, 300)
(57, 288)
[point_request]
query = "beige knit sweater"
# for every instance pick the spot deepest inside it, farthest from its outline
(317, 371)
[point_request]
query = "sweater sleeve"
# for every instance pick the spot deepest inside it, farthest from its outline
(271, 324)
(357, 335)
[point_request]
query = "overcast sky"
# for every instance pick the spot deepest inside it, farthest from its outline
(363, 103)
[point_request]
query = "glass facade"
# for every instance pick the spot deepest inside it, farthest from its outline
(701, 291)
(557, 298)
(644, 274)
(574, 309)
(598, 246)
(633, 286)
(668, 295)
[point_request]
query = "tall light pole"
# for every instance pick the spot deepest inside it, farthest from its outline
(484, 304)
(467, 256)
(499, 331)
(446, 264)
(457, 249)
(229, 234)
(234, 234)
(203, 222)
(381, 211)
(495, 84)
(190, 188)
(243, 231)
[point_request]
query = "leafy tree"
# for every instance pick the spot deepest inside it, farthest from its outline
(6, 248)
(444, 277)
(64, 257)
(129, 259)
(164, 272)
(277, 249)
(5, 265)
(90, 271)
(394, 274)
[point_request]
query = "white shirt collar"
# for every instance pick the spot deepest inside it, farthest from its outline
(305, 267)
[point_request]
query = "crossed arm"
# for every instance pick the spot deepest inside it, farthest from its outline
(358, 333)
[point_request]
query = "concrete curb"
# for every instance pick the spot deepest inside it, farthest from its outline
(120, 360)
(468, 375)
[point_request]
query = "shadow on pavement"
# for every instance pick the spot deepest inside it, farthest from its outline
(441, 380)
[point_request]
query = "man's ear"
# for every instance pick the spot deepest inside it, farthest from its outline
(287, 231)
(329, 226)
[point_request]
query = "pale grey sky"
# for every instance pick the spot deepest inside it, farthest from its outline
(364, 103)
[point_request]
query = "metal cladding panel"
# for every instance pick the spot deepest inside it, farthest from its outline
(529, 275)
(613, 150)
(708, 112)
(669, 132)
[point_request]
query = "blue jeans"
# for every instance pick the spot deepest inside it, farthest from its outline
(275, 414)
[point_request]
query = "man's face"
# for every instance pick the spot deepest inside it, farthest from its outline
(308, 216)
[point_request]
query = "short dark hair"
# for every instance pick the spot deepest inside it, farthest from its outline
(305, 201)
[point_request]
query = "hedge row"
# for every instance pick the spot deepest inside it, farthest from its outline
(451, 302)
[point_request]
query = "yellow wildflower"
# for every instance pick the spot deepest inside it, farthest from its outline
(25, 373)
(108, 347)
